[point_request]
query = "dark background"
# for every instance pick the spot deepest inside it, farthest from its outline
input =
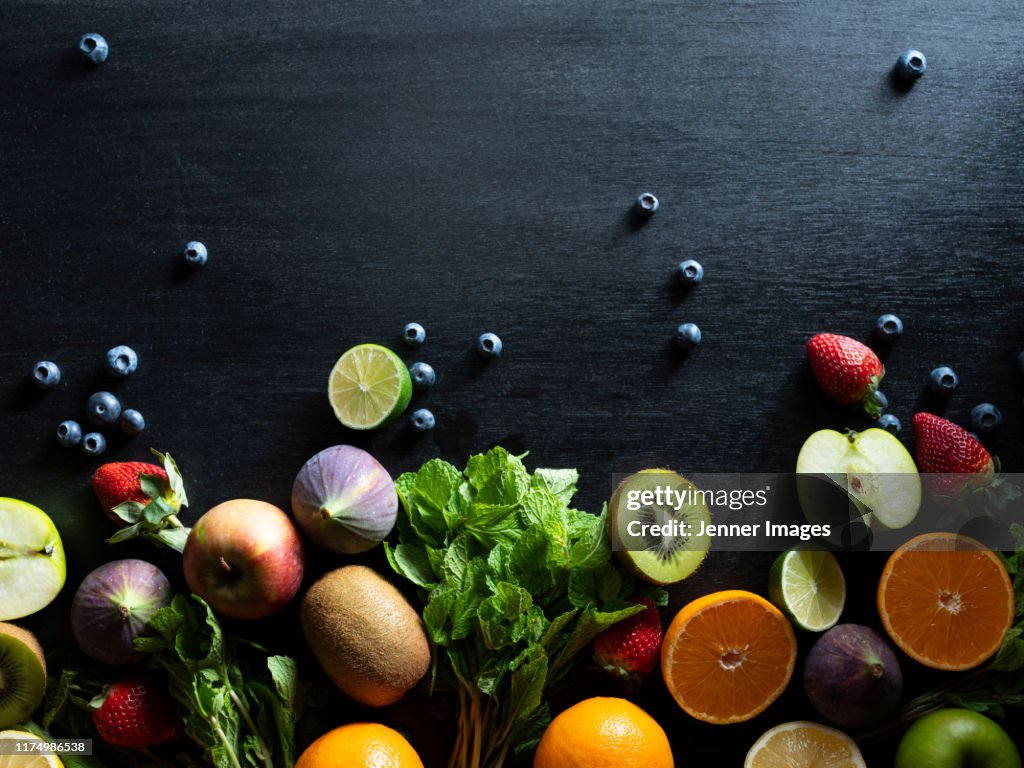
(353, 166)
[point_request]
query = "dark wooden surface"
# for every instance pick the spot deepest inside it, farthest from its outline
(353, 166)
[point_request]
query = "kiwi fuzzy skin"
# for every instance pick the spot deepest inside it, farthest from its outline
(27, 639)
(368, 639)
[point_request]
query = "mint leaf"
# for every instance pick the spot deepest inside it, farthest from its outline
(412, 562)
(560, 482)
(527, 686)
(593, 548)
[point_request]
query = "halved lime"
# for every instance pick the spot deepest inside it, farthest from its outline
(32, 568)
(808, 587)
(369, 386)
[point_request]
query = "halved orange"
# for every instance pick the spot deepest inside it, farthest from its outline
(946, 600)
(727, 656)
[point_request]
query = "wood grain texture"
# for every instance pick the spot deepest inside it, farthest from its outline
(470, 165)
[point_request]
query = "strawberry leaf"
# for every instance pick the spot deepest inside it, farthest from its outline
(131, 532)
(174, 479)
(129, 511)
(158, 511)
(152, 486)
(174, 538)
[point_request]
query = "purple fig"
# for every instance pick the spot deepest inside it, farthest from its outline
(344, 500)
(852, 676)
(112, 607)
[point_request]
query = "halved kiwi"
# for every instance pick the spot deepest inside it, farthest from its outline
(22, 674)
(656, 521)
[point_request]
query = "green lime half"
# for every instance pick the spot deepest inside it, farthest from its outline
(369, 386)
(808, 587)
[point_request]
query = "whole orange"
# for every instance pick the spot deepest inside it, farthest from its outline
(360, 745)
(604, 733)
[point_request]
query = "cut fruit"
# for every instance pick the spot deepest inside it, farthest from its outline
(727, 656)
(804, 745)
(32, 568)
(946, 601)
(22, 674)
(369, 387)
(872, 467)
(653, 534)
(809, 588)
(13, 757)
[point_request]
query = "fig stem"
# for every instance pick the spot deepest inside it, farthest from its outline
(226, 566)
(325, 513)
(124, 611)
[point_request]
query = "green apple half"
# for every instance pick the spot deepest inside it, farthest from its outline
(872, 467)
(956, 738)
(32, 568)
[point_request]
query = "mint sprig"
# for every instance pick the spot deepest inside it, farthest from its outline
(515, 584)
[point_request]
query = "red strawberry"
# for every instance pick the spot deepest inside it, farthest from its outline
(847, 371)
(118, 482)
(632, 647)
(943, 448)
(135, 712)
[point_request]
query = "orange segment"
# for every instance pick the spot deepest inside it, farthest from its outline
(727, 656)
(946, 601)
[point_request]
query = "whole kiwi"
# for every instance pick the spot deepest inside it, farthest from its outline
(366, 636)
(22, 674)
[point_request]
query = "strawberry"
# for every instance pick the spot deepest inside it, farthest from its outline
(846, 370)
(944, 448)
(118, 481)
(135, 712)
(632, 647)
(144, 499)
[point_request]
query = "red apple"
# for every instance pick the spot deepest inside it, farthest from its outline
(244, 558)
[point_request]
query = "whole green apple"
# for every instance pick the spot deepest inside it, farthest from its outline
(956, 738)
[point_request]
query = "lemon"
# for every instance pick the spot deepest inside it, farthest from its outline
(369, 386)
(11, 757)
(32, 568)
(804, 745)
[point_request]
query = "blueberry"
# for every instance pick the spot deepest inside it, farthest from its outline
(414, 334)
(690, 272)
(69, 433)
(423, 376)
(45, 375)
(422, 420)
(93, 444)
(1020, 363)
(688, 336)
(131, 422)
(121, 361)
(880, 400)
(911, 64)
(103, 409)
(195, 254)
(985, 417)
(889, 423)
(93, 47)
(646, 204)
(488, 346)
(888, 328)
(943, 381)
